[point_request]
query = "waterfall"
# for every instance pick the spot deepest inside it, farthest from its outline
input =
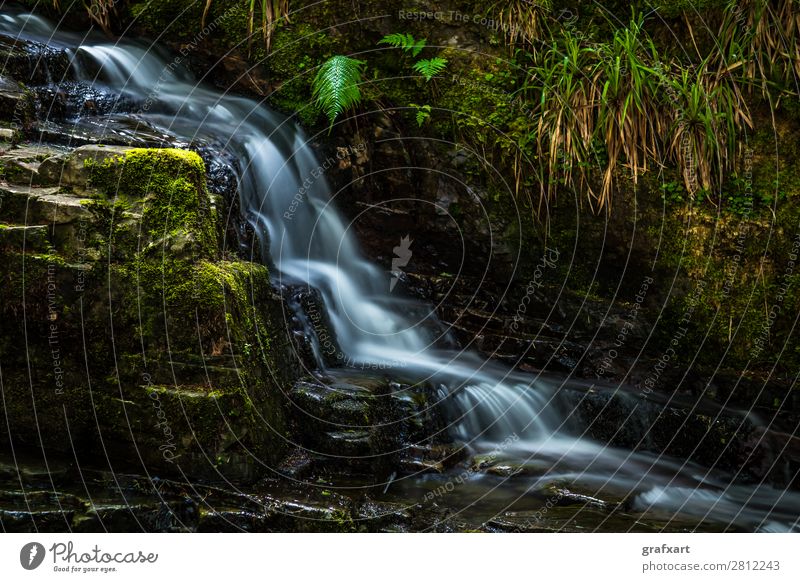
(283, 187)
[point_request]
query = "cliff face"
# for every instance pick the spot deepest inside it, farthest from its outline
(127, 334)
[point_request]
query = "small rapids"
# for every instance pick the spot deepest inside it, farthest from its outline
(283, 188)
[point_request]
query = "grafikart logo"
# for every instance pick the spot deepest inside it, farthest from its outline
(31, 555)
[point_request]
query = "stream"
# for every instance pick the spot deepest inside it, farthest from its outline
(522, 419)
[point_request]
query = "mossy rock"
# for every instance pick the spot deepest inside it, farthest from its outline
(131, 300)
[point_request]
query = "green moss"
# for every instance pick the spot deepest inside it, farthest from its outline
(174, 19)
(149, 279)
(167, 187)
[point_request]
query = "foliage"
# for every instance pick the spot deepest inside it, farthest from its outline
(100, 12)
(405, 42)
(336, 85)
(272, 12)
(429, 68)
(637, 106)
(761, 38)
(423, 113)
(522, 20)
(710, 110)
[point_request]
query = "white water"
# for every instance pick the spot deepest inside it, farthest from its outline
(310, 244)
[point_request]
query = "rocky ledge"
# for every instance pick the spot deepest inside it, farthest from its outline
(128, 335)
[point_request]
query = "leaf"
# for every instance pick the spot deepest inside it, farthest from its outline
(405, 42)
(397, 40)
(423, 113)
(336, 85)
(418, 46)
(429, 68)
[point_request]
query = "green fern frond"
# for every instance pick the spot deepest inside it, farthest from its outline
(335, 88)
(404, 41)
(423, 113)
(429, 68)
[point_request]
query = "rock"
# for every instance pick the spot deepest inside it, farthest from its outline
(230, 520)
(693, 429)
(567, 520)
(16, 105)
(347, 443)
(370, 423)
(20, 164)
(193, 383)
(558, 495)
(32, 62)
(298, 464)
(339, 405)
(437, 458)
(74, 169)
(33, 238)
(32, 205)
(383, 516)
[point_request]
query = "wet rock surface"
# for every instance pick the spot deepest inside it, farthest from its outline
(58, 495)
(369, 424)
(695, 429)
(80, 245)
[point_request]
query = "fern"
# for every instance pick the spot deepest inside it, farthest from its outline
(335, 88)
(423, 113)
(404, 41)
(429, 68)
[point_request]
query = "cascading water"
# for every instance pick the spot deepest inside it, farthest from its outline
(282, 185)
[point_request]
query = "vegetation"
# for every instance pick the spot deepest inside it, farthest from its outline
(581, 104)
(262, 16)
(623, 104)
(272, 12)
(336, 85)
(101, 12)
(523, 20)
(406, 42)
(590, 100)
(761, 38)
(428, 68)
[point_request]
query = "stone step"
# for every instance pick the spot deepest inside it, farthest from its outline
(348, 443)
(356, 415)
(31, 205)
(16, 105)
(20, 165)
(479, 320)
(121, 131)
(27, 238)
(544, 352)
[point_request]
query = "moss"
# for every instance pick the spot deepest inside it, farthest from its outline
(174, 19)
(167, 187)
(145, 281)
